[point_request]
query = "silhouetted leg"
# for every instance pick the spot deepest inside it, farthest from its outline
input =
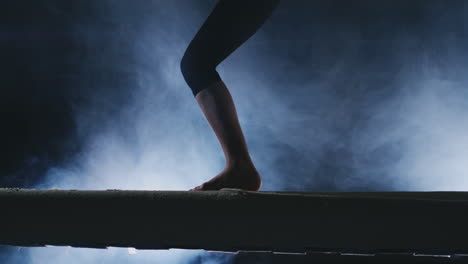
(229, 25)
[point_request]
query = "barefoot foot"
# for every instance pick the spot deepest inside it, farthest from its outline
(243, 176)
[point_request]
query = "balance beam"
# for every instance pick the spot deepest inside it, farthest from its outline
(235, 220)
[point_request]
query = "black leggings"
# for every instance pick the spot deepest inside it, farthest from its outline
(229, 25)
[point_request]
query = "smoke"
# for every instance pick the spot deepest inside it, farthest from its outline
(122, 255)
(139, 125)
(417, 135)
(433, 134)
(156, 137)
(330, 97)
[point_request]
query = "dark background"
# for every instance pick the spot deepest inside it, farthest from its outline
(333, 95)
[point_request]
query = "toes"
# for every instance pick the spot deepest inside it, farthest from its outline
(198, 188)
(212, 185)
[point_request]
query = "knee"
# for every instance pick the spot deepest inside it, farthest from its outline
(185, 66)
(191, 68)
(188, 69)
(197, 72)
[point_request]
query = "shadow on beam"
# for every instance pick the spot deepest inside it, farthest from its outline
(232, 220)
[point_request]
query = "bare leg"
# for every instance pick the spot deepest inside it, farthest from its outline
(219, 109)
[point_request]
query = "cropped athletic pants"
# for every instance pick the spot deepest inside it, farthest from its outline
(229, 25)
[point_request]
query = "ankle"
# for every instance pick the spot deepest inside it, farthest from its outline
(239, 161)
